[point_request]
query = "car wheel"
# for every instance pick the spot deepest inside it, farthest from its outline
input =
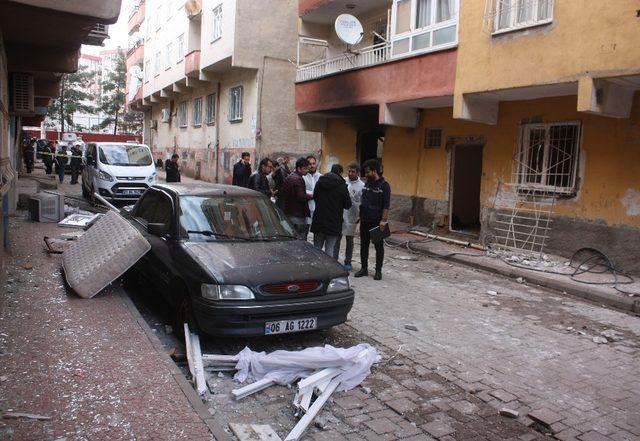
(184, 314)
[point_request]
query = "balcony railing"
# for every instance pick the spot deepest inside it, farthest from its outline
(364, 57)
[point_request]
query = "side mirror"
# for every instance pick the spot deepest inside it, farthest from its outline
(90, 160)
(157, 229)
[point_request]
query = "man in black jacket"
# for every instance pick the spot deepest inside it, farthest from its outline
(258, 181)
(173, 169)
(374, 212)
(242, 171)
(76, 163)
(332, 198)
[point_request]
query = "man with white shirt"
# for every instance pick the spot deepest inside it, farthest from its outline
(310, 181)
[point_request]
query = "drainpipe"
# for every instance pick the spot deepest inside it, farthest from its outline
(217, 162)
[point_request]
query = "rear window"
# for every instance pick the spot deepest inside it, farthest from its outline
(125, 155)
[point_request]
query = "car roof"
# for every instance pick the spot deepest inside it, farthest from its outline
(207, 189)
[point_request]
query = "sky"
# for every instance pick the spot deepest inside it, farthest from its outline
(117, 32)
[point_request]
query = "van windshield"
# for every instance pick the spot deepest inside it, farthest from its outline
(125, 155)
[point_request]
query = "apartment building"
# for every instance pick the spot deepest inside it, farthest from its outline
(219, 80)
(505, 121)
(31, 64)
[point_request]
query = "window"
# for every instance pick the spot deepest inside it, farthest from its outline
(211, 109)
(517, 14)
(159, 17)
(235, 104)
(424, 25)
(217, 22)
(146, 71)
(197, 112)
(432, 138)
(180, 48)
(167, 61)
(157, 64)
(182, 114)
(548, 156)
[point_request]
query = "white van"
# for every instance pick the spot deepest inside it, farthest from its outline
(117, 171)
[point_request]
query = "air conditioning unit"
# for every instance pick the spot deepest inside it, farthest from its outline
(46, 207)
(153, 124)
(22, 102)
(97, 35)
(166, 115)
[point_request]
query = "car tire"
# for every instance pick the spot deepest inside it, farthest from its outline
(184, 314)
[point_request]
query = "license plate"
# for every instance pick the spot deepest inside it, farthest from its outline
(285, 326)
(130, 192)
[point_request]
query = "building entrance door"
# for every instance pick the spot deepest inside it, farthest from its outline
(466, 175)
(370, 144)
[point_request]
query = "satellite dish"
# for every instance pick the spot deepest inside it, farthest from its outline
(349, 29)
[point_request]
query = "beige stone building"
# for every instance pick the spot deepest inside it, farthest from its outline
(218, 79)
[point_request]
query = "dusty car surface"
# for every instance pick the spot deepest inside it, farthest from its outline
(230, 264)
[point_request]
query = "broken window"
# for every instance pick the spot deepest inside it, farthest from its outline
(548, 157)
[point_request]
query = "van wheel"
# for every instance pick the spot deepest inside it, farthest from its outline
(184, 314)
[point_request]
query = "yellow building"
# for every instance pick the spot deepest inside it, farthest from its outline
(543, 122)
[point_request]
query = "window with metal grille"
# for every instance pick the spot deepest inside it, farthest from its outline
(211, 109)
(197, 112)
(432, 138)
(235, 104)
(516, 14)
(182, 114)
(217, 22)
(548, 157)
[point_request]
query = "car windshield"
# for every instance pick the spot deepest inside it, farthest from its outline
(125, 155)
(232, 218)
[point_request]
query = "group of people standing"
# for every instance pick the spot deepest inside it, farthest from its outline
(57, 155)
(326, 205)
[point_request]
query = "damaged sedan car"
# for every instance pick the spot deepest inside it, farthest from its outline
(230, 264)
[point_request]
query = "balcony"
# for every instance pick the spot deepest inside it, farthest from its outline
(364, 57)
(192, 64)
(136, 18)
(135, 55)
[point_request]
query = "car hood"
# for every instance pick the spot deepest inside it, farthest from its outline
(259, 263)
(134, 171)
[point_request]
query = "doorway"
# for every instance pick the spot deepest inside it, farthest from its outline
(370, 145)
(466, 176)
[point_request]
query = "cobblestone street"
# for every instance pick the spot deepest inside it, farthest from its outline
(471, 354)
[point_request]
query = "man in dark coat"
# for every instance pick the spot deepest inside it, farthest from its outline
(374, 212)
(61, 161)
(279, 175)
(296, 199)
(258, 181)
(27, 152)
(47, 157)
(332, 198)
(75, 162)
(173, 169)
(242, 171)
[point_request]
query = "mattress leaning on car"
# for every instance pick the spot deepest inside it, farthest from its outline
(102, 254)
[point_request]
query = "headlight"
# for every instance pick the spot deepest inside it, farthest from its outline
(338, 284)
(105, 176)
(226, 292)
(152, 178)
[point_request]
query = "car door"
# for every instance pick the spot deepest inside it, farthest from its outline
(156, 206)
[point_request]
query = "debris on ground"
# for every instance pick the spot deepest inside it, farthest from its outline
(319, 371)
(612, 335)
(405, 257)
(600, 340)
(509, 413)
(29, 416)
(28, 266)
(254, 432)
(411, 327)
(79, 220)
(520, 280)
(492, 293)
(102, 254)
